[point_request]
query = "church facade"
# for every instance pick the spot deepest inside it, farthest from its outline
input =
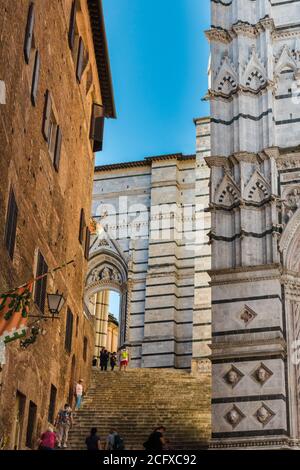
(255, 214)
(154, 251)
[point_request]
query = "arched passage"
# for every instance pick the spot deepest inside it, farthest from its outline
(107, 273)
(290, 250)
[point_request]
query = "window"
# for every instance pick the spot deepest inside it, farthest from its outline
(35, 78)
(82, 60)
(87, 243)
(77, 325)
(81, 226)
(85, 346)
(29, 38)
(97, 127)
(52, 403)
(31, 424)
(11, 224)
(72, 26)
(69, 331)
(52, 131)
(41, 284)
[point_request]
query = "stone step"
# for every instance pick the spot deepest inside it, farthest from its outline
(137, 400)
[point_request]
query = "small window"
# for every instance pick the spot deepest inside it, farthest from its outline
(52, 403)
(29, 38)
(31, 425)
(11, 224)
(41, 284)
(52, 131)
(81, 226)
(85, 347)
(72, 25)
(35, 78)
(82, 59)
(69, 331)
(97, 127)
(87, 243)
(77, 325)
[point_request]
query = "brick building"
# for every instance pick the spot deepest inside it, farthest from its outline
(55, 91)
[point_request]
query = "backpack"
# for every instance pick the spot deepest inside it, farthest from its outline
(118, 443)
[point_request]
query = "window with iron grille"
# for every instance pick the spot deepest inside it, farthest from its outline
(41, 284)
(31, 425)
(69, 331)
(85, 346)
(11, 224)
(52, 403)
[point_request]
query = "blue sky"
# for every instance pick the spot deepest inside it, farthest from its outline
(159, 55)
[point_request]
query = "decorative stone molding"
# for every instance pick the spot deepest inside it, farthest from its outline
(234, 416)
(264, 414)
(262, 374)
(233, 376)
(247, 315)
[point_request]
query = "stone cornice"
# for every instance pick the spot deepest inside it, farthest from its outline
(240, 90)
(219, 161)
(286, 34)
(240, 28)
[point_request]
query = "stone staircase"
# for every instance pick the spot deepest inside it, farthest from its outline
(136, 401)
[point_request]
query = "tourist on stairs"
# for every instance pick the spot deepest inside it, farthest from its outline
(156, 441)
(113, 360)
(93, 440)
(63, 423)
(79, 392)
(47, 440)
(124, 358)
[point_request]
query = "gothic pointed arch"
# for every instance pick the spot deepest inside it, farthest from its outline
(289, 244)
(227, 192)
(254, 75)
(285, 61)
(257, 188)
(226, 78)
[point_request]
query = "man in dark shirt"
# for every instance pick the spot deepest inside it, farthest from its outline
(93, 440)
(156, 440)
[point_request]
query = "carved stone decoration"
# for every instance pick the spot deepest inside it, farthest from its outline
(94, 276)
(247, 315)
(105, 274)
(264, 414)
(234, 416)
(233, 376)
(291, 204)
(262, 374)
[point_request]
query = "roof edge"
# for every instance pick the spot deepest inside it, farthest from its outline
(146, 162)
(95, 8)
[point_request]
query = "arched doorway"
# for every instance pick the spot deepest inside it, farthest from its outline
(106, 296)
(290, 251)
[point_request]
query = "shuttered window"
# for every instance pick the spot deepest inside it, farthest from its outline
(72, 25)
(35, 78)
(52, 403)
(29, 33)
(57, 151)
(97, 127)
(87, 243)
(52, 131)
(41, 284)
(85, 347)
(11, 224)
(47, 116)
(69, 331)
(80, 60)
(31, 425)
(81, 226)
